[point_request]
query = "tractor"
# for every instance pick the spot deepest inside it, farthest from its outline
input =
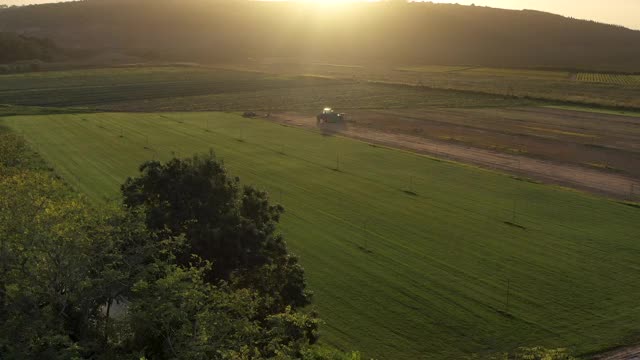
(329, 116)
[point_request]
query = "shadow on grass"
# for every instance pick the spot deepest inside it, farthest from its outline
(365, 250)
(631, 204)
(505, 314)
(515, 225)
(518, 178)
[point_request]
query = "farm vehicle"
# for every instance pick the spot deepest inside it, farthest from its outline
(329, 116)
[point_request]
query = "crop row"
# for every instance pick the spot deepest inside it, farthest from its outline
(609, 78)
(128, 89)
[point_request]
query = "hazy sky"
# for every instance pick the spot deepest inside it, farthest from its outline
(622, 12)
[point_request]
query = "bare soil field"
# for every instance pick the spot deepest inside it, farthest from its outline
(598, 153)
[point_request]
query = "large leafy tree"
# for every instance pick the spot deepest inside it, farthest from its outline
(232, 226)
(178, 314)
(63, 265)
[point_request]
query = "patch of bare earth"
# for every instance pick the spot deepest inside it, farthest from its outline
(408, 130)
(627, 353)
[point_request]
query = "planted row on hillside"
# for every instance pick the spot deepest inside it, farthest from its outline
(609, 78)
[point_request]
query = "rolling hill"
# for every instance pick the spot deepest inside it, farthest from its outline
(384, 32)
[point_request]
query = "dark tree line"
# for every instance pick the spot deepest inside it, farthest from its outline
(15, 47)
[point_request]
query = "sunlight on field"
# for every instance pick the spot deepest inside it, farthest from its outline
(479, 71)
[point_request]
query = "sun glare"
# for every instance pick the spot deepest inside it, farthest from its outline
(331, 1)
(335, 2)
(343, 6)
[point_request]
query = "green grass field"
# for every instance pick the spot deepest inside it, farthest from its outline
(409, 257)
(194, 88)
(106, 86)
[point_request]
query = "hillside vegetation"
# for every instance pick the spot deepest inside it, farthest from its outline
(385, 32)
(15, 47)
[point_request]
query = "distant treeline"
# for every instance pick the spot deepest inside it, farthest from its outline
(15, 47)
(380, 32)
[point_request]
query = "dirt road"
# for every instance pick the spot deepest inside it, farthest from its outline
(592, 180)
(628, 353)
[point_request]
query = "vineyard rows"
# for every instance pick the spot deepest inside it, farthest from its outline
(609, 78)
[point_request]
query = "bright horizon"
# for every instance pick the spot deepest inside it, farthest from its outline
(620, 12)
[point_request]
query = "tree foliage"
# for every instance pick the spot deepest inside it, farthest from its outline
(536, 353)
(15, 47)
(232, 226)
(12, 149)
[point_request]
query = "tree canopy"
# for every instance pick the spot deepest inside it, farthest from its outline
(232, 226)
(15, 47)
